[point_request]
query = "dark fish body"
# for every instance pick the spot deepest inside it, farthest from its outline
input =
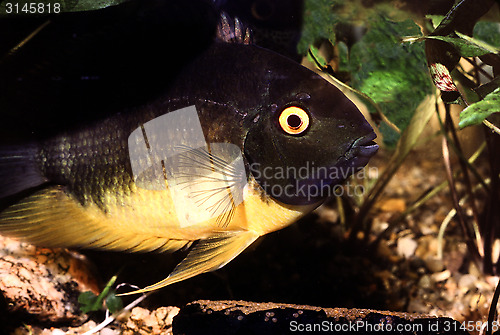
(227, 106)
(202, 161)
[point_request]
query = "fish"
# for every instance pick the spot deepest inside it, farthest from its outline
(242, 143)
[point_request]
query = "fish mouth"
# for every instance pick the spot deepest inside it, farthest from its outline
(356, 157)
(319, 183)
(363, 147)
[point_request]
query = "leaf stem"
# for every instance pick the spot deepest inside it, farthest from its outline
(113, 317)
(363, 95)
(491, 126)
(24, 41)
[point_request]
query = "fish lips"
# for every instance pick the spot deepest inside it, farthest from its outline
(361, 150)
(322, 185)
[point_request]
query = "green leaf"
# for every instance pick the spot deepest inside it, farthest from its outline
(488, 32)
(319, 23)
(467, 46)
(463, 16)
(25, 7)
(392, 74)
(435, 19)
(479, 111)
(316, 57)
(343, 56)
(114, 303)
(89, 302)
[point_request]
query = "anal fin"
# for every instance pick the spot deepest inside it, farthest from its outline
(208, 255)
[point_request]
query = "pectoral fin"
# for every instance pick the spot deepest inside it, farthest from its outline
(208, 255)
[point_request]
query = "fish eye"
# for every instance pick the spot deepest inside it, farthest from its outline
(294, 120)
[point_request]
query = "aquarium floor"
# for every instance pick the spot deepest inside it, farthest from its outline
(311, 262)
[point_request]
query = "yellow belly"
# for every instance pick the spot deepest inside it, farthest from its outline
(153, 213)
(141, 220)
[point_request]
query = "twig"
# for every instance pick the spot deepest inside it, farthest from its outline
(451, 181)
(460, 155)
(463, 165)
(493, 309)
(442, 230)
(478, 69)
(491, 126)
(25, 40)
(423, 199)
(370, 100)
(448, 218)
(113, 317)
(363, 95)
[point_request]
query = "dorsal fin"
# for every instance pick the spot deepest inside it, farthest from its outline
(231, 30)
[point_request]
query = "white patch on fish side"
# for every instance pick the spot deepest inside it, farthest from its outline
(206, 180)
(210, 183)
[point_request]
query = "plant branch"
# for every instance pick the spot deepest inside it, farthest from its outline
(491, 126)
(461, 218)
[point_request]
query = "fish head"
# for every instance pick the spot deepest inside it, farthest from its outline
(307, 139)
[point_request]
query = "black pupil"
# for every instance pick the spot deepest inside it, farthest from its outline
(294, 121)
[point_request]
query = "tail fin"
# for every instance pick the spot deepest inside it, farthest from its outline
(18, 169)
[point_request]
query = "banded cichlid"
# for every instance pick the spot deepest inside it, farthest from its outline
(243, 142)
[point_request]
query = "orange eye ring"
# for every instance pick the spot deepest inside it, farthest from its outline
(294, 120)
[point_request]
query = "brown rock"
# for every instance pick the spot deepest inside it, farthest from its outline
(142, 321)
(242, 317)
(393, 205)
(42, 283)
